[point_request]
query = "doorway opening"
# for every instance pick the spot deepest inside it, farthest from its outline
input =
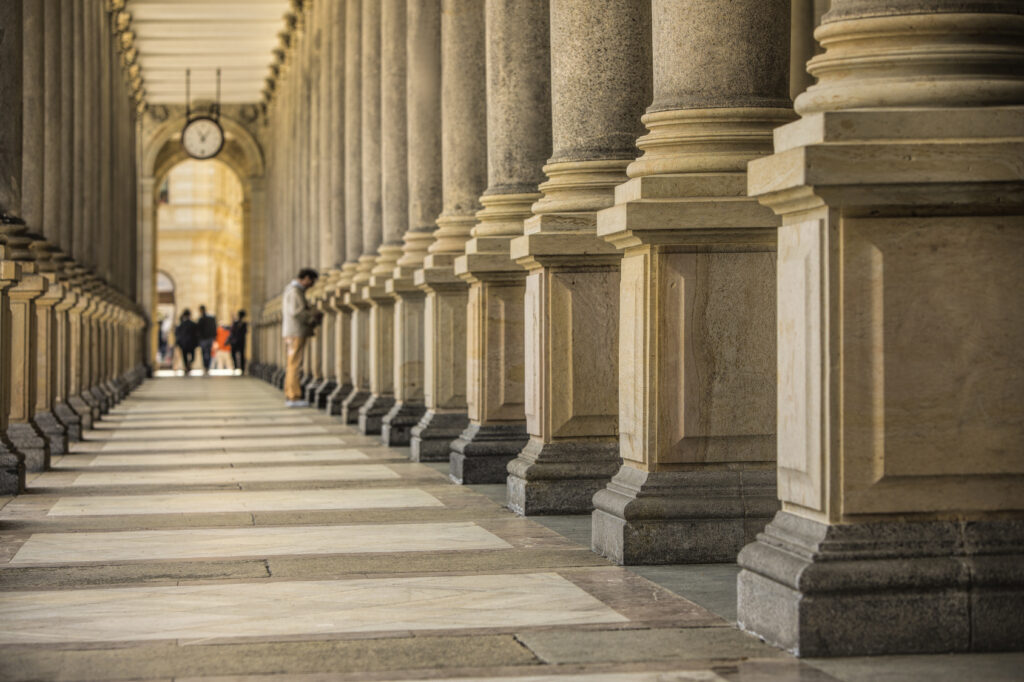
(200, 255)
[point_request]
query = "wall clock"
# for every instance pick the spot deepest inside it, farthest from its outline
(202, 137)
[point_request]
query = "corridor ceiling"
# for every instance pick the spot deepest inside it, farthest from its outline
(237, 36)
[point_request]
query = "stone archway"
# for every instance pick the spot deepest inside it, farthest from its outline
(161, 151)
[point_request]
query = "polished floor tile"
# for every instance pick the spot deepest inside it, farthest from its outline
(242, 457)
(298, 608)
(354, 472)
(211, 443)
(202, 543)
(242, 501)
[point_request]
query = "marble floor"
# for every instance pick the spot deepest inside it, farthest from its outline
(203, 532)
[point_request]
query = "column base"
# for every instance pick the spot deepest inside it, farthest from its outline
(277, 378)
(12, 469)
(681, 517)
(372, 413)
(101, 401)
(482, 452)
(870, 589)
(53, 431)
(560, 477)
(83, 410)
(399, 422)
(351, 405)
(310, 388)
(70, 419)
(28, 440)
(336, 398)
(432, 438)
(323, 393)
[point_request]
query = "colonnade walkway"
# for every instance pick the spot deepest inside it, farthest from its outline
(202, 530)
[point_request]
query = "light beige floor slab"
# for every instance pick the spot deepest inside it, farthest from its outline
(202, 543)
(657, 676)
(297, 608)
(210, 443)
(243, 457)
(176, 435)
(243, 501)
(353, 472)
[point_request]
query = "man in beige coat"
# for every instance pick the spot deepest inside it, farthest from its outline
(298, 323)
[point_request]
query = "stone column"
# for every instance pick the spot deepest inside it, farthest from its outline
(359, 314)
(12, 462)
(518, 143)
(464, 162)
(66, 367)
(901, 338)
(600, 84)
(22, 431)
(46, 349)
(697, 292)
(423, 104)
(328, 345)
(394, 219)
(79, 355)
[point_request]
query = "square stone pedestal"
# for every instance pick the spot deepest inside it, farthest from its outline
(884, 588)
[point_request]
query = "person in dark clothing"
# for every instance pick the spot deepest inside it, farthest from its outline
(207, 335)
(186, 337)
(239, 330)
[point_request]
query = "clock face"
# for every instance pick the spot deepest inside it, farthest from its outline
(202, 138)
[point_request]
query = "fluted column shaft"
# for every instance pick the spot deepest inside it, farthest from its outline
(600, 83)
(900, 328)
(518, 143)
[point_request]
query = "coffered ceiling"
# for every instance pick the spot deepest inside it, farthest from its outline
(237, 36)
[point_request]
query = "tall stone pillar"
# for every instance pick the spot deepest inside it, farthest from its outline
(66, 355)
(600, 84)
(342, 338)
(22, 431)
(901, 338)
(356, 268)
(79, 355)
(518, 143)
(697, 292)
(394, 209)
(46, 349)
(12, 462)
(464, 160)
(423, 109)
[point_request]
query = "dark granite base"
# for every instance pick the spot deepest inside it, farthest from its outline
(53, 431)
(885, 587)
(337, 398)
(30, 442)
(83, 410)
(70, 419)
(681, 517)
(372, 413)
(277, 378)
(12, 469)
(310, 388)
(561, 477)
(482, 452)
(351, 404)
(432, 438)
(101, 401)
(398, 423)
(323, 392)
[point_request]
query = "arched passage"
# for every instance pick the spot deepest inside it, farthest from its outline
(161, 152)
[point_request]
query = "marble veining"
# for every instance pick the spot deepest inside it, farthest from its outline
(242, 501)
(298, 608)
(201, 543)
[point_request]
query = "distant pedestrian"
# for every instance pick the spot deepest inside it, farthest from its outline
(239, 331)
(186, 337)
(298, 323)
(207, 335)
